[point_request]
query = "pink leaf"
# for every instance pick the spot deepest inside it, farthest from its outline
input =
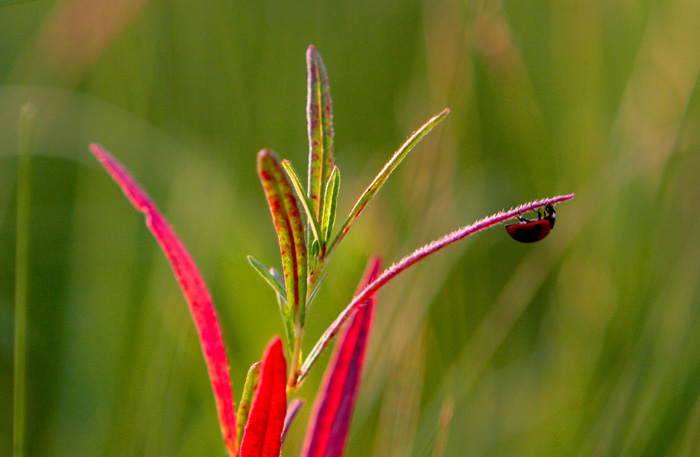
(263, 433)
(194, 289)
(330, 419)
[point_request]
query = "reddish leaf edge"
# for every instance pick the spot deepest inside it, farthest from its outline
(262, 436)
(329, 426)
(194, 289)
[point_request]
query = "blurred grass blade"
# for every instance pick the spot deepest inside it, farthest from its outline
(194, 289)
(251, 383)
(304, 199)
(289, 226)
(268, 277)
(263, 432)
(329, 425)
(319, 117)
(292, 411)
(444, 422)
(383, 175)
(330, 205)
(24, 201)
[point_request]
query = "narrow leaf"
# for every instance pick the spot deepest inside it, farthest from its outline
(194, 289)
(268, 277)
(251, 383)
(330, 419)
(319, 117)
(330, 205)
(292, 411)
(444, 422)
(413, 258)
(289, 226)
(383, 175)
(303, 198)
(263, 433)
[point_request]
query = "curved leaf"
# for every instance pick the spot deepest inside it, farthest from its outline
(290, 228)
(417, 255)
(194, 289)
(263, 433)
(251, 383)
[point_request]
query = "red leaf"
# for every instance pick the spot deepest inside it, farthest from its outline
(194, 289)
(263, 433)
(330, 419)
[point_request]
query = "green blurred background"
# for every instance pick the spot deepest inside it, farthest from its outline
(587, 343)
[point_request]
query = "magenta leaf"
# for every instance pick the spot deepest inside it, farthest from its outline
(330, 419)
(194, 289)
(263, 433)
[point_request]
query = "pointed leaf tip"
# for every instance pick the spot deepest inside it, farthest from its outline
(195, 291)
(385, 172)
(319, 117)
(263, 433)
(330, 419)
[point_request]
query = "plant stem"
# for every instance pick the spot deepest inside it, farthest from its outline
(27, 116)
(296, 358)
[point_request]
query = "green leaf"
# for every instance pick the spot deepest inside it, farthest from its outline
(330, 205)
(383, 175)
(303, 198)
(251, 382)
(313, 254)
(268, 277)
(289, 226)
(319, 116)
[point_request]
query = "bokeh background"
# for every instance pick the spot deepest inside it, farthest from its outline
(587, 343)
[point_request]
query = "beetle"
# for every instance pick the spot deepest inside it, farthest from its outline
(529, 231)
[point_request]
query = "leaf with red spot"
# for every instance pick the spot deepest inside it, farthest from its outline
(194, 289)
(290, 228)
(330, 419)
(263, 432)
(319, 117)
